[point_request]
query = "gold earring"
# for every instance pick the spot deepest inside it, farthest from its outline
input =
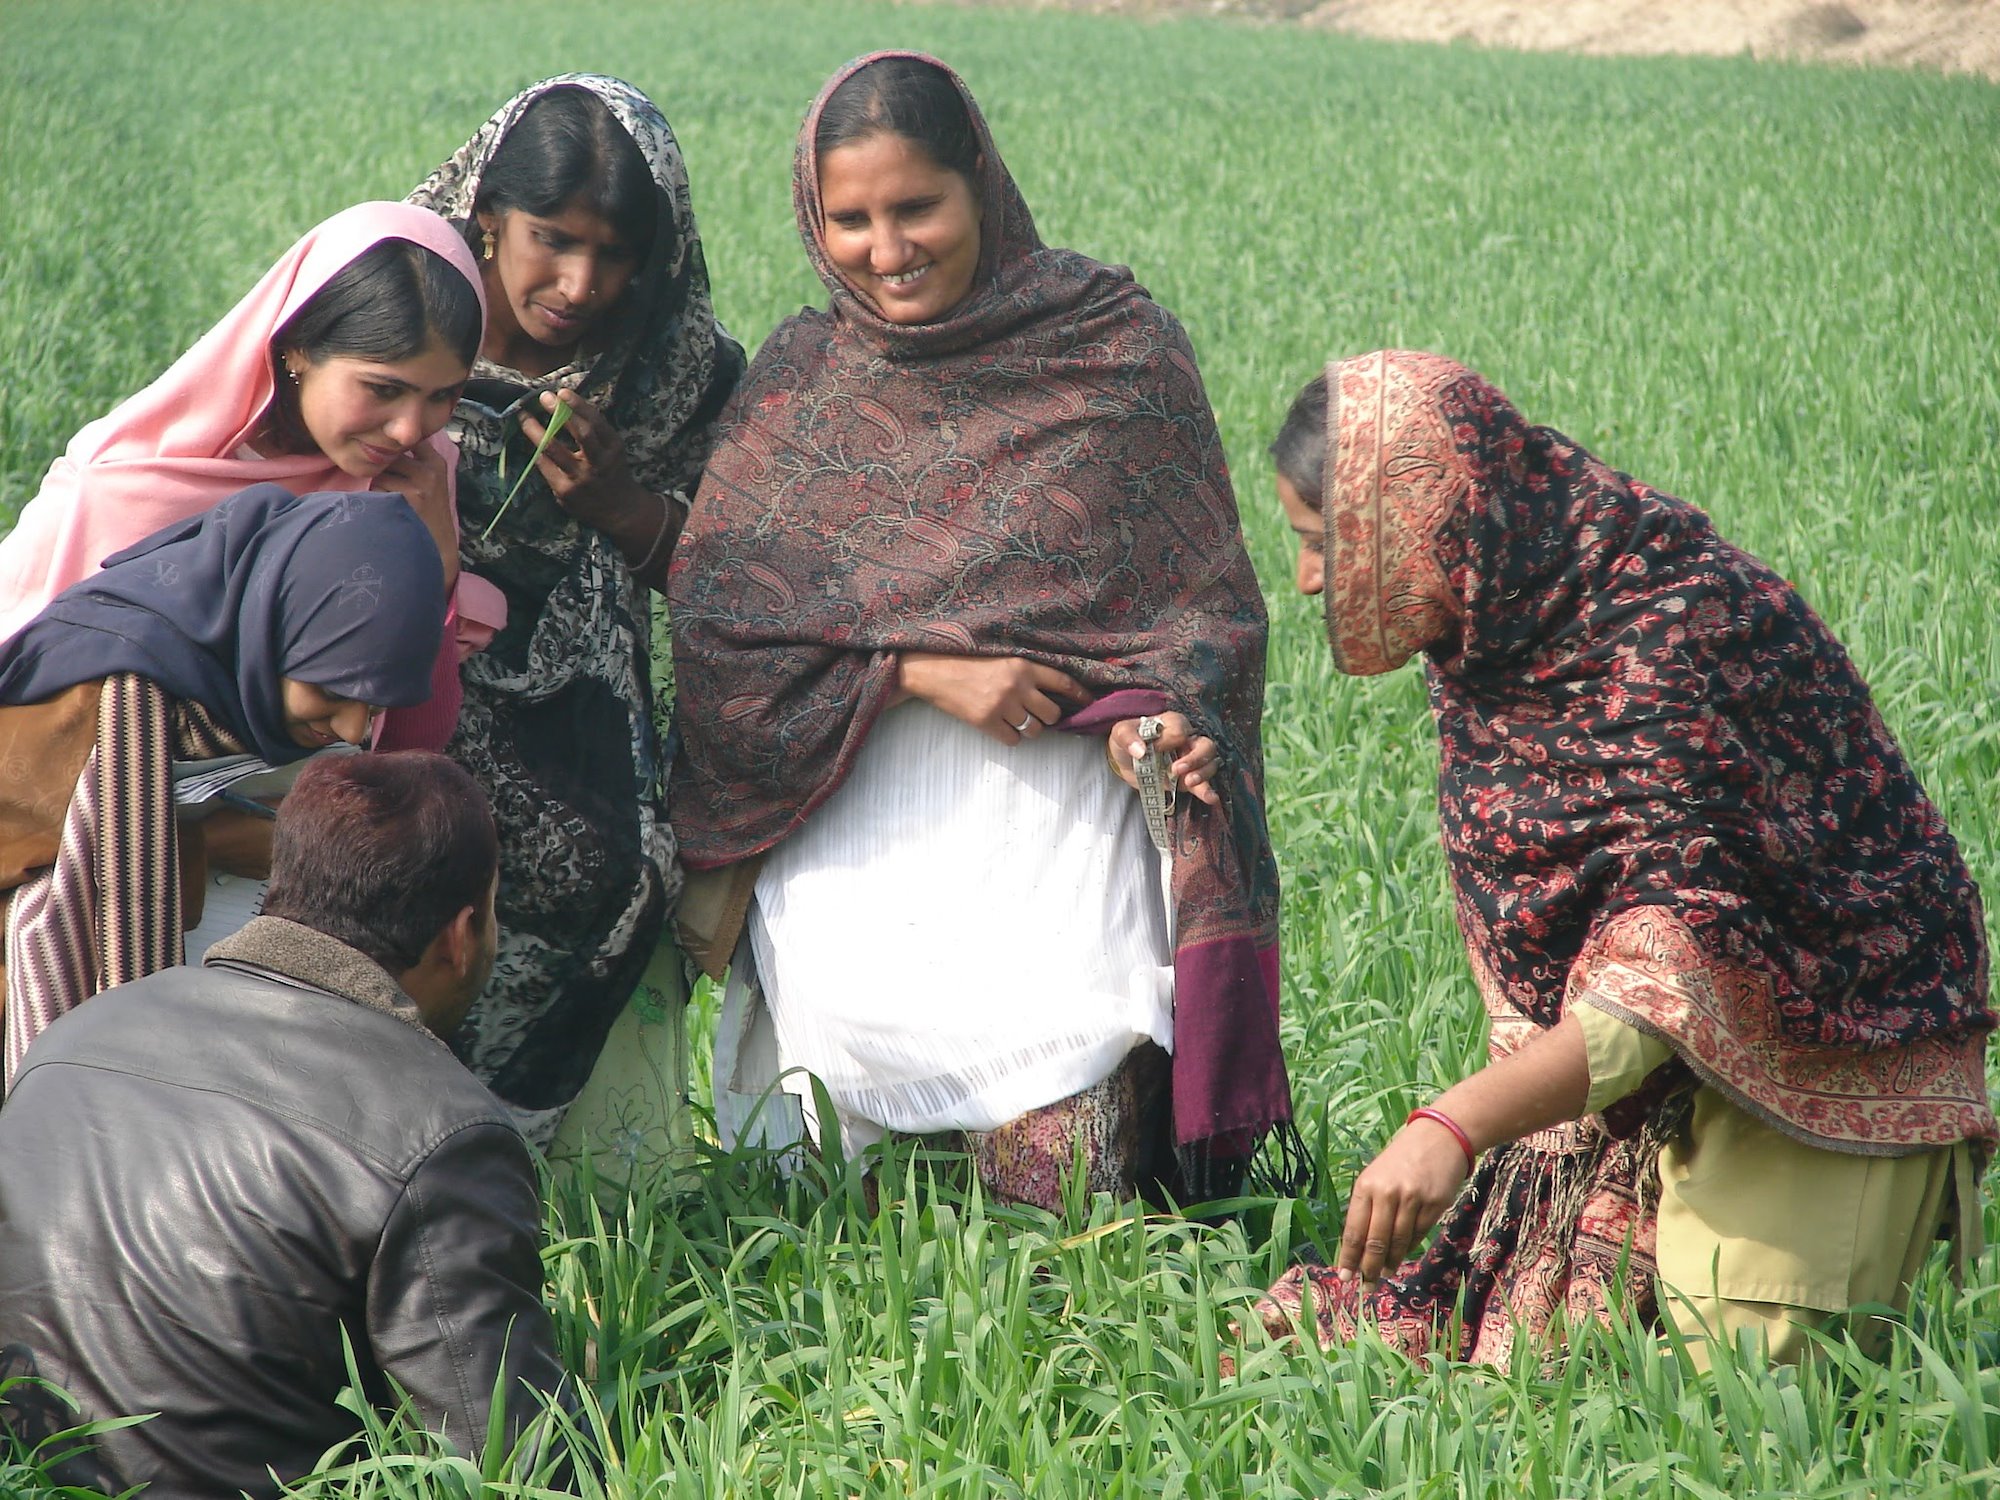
(486, 244)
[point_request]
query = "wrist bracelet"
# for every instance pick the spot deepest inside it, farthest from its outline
(666, 524)
(1439, 1117)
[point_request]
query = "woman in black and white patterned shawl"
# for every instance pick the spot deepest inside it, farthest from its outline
(598, 289)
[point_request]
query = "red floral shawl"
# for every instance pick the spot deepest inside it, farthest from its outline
(1037, 475)
(1665, 790)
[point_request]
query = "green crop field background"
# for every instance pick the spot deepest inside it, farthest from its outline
(1773, 290)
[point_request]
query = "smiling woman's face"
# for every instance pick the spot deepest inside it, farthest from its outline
(903, 230)
(364, 414)
(315, 718)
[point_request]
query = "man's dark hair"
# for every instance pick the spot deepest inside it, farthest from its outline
(1299, 449)
(382, 851)
(903, 96)
(569, 149)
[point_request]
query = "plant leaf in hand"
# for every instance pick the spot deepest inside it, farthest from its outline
(558, 419)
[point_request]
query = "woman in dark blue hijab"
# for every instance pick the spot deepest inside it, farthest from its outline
(273, 624)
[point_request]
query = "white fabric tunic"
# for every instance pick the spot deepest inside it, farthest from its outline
(965, 930)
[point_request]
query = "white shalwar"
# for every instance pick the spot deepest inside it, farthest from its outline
(963, 932)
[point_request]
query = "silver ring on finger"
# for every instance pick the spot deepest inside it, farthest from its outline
(1022, 727)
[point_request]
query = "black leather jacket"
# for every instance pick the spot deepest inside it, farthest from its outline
(206, 1176)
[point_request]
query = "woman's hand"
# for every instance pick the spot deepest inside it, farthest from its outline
(422, 477)
(585, 465)
(1003, 697)
(586, 471)
(1404, 1191)
(1399, 1196)
(1193, 760)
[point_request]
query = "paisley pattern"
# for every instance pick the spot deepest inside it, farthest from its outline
(1664, 786)
(1036, 475)
(560, 723)
(1495, 1262)
(1664, 791)
(1386, 594)
(1112, 1125)
(1653, 967)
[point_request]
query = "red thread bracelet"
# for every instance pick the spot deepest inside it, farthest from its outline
(1439, 1117)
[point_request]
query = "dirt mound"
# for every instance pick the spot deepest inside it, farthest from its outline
(1957, 36)
(1954, 36)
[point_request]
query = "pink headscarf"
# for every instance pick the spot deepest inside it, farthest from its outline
(167, 453)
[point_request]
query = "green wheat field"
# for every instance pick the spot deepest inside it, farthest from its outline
(1772, 289)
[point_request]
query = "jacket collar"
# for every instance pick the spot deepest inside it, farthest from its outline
(312, 958)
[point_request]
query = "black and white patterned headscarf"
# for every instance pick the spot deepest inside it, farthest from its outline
(560, 723)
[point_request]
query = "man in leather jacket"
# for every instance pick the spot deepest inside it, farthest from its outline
(210, 1176)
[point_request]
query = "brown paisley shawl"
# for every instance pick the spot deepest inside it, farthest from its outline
(1036, 475)
(1665, 791)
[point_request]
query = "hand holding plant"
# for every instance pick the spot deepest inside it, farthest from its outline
(560, 410)
(588, 475)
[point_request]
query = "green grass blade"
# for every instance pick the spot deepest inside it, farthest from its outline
(558, 419)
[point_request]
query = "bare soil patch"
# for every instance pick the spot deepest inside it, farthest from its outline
(1953, 36)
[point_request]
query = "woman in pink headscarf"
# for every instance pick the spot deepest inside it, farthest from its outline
(337, 372)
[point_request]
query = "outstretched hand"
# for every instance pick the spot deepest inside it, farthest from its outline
(1192, 760)
(1004, 697)
(1398, 1197)
(1406, 1189)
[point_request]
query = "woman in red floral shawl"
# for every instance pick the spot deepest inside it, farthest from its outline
(962, 527)
(1734, 965)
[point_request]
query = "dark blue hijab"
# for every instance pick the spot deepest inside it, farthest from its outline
(343, 591)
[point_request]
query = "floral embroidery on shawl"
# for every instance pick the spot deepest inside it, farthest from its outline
(1664, 791)
(1664, 787)
(1386, 595)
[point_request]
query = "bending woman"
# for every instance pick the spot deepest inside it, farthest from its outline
(272, 624)
(575, 194)
(1734, 965)
(337, 371)
(964, 525)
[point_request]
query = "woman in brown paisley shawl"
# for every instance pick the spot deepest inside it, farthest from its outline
(963, 525)
(1734, 965)
(575, 198)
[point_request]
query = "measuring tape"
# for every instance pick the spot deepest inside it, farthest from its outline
(1156, 788)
